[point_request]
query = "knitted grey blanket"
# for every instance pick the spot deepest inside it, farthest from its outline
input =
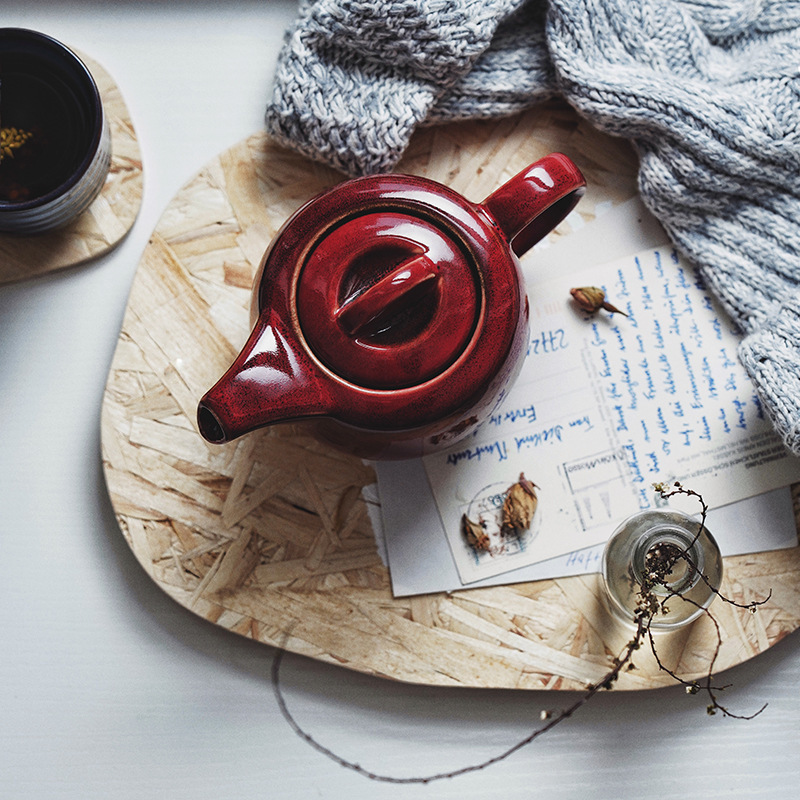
(707, 90)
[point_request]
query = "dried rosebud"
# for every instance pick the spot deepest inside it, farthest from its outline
(592, 299)
(476, 536)
(519, 505)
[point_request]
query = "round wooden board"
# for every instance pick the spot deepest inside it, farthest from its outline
(106, 222)
(270, 536)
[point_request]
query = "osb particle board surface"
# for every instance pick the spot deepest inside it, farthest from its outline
(110, 217)
(270, 536)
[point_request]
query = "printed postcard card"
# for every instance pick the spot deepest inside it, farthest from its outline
(606, 405)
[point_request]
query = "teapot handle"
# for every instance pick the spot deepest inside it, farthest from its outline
(536, 200)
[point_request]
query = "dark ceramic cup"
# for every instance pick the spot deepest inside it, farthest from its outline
(55, 150)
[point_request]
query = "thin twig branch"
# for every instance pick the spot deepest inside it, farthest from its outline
(606, 683)
(648, 607)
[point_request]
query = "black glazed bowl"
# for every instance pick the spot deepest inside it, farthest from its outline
(55, 150)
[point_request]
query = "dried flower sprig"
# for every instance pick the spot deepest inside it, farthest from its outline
(661, 569)
(666, 491)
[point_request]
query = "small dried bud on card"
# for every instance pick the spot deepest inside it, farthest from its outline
(591, 299)
(520, 505)
(474, 534)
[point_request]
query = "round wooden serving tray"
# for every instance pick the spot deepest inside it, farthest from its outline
(110, 217)
(270, 536)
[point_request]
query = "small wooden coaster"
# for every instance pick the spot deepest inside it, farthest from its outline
(106, 222)
(270, 536)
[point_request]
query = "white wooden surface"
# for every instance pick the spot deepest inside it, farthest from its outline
(110, 689)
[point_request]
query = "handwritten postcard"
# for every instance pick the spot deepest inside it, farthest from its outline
(606, 405)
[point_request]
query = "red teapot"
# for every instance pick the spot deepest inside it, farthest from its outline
(391, 313)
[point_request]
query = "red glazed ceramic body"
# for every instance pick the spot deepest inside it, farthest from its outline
(391, 312)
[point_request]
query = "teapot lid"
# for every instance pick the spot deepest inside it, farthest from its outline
(387, 299)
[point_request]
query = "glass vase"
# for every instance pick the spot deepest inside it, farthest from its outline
(668, 552)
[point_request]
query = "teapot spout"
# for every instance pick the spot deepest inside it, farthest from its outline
(269, 382)
(212, 429)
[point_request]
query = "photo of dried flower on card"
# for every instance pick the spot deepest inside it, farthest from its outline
(501, 521)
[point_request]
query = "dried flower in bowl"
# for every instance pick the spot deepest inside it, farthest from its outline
(12, 139)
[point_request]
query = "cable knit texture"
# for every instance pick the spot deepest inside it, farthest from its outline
(707, 90)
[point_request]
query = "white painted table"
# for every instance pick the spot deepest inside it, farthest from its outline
(110, 689)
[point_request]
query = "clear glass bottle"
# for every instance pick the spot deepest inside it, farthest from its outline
(652, 536)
